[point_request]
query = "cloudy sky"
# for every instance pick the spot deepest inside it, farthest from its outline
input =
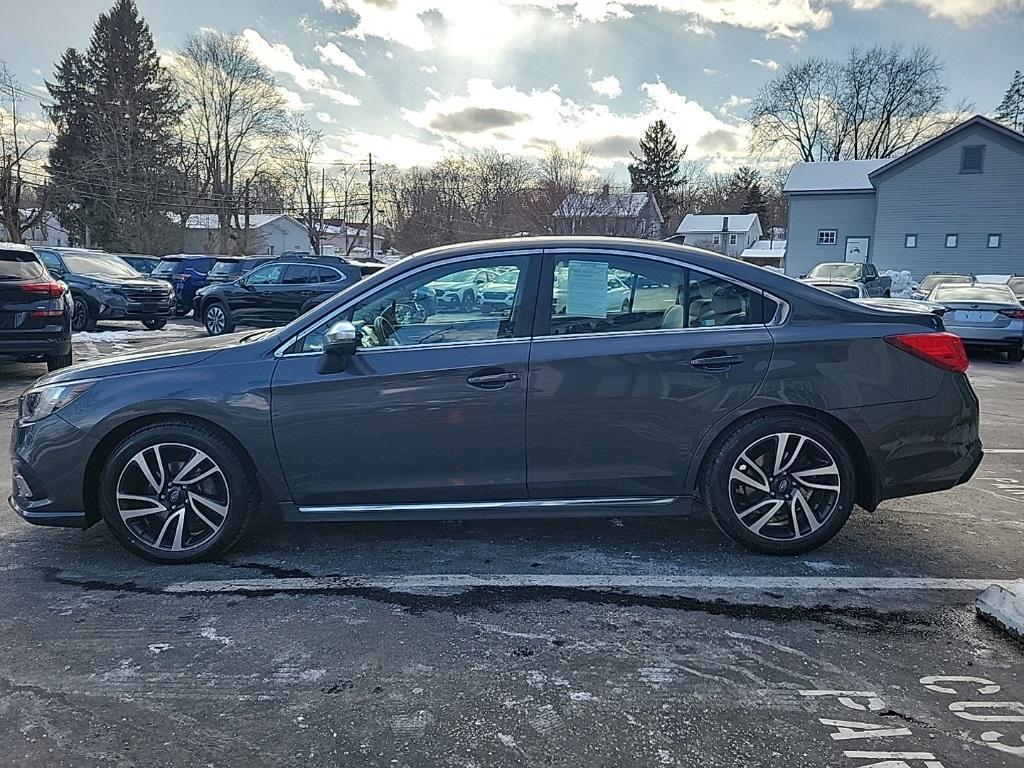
(412, 80)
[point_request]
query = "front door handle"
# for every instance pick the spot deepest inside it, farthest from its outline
(493, 380)
(716, 361)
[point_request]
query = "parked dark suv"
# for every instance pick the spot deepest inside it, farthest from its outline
(230, 268)
(187, 274)
(35, 309)
(103, 287)
(276, 292)
(141, 263)
(776, 404)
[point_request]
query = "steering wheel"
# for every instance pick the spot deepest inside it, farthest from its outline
(383, 329)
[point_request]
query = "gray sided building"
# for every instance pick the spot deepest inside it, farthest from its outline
(954, 204)
(618, 214)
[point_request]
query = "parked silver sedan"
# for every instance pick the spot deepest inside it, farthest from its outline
(984, 315)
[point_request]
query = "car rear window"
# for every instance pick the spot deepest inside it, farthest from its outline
(20, 265)
(226, 267)
(846, 291)
(996, 293)
(169, 267)
(932, 281)
(841, 271)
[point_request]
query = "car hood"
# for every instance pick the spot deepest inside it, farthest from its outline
(171, 355)
(131, 282)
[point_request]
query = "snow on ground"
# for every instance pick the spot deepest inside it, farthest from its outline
(903, 283)
(170, 332)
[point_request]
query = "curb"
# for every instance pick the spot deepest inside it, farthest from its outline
(1004, 608)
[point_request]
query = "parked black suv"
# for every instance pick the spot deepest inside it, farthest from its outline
(106, 288)
(230, 268)
(277, 292)
(35, 310)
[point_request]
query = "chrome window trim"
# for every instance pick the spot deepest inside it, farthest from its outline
(648, 332)
(617, 501)
(280, 351)
(404, 347)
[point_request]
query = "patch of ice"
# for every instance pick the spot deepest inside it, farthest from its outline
(139, 335)
(159, 647)
(508, 741)
(210, 633)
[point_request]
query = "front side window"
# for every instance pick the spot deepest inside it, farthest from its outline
(952, 240)
(51, 261)
(826, 237)
(602, 294)
(443, 305)
(268, 275)
(910, 241)
(994, 241)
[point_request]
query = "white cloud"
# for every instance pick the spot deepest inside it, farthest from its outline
(278, 57)
(292, 101)
(323, 117)
(766, 63)
(393, 149)
(731, 104)
(961, 11)
(709, 71)
(524, 122)
(607, 86)
(485, 25)
(430, 69)
(333, 55)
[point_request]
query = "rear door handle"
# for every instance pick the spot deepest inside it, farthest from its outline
(493, 380)
(716, 362)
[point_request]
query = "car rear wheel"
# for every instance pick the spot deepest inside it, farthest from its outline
(217, 319)
(468, 301)
(780, 485)
(155, 323)
(56, 362)
(1015, 355)
(177, 493)
(82, 318)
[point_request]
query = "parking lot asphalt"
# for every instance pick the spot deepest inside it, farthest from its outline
(571, 642)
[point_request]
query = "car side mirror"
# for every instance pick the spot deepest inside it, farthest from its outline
(803, 276)
(340, 342)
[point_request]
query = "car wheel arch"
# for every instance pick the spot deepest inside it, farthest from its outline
(868, 492)
(109, 442)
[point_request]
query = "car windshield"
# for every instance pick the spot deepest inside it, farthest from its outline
(225, 267)
(509, 278)
(19, 265)
(846, 291)
(929, 283)
(169, 267)
(993, 293)
(81, 264)
(1017, 285)
(843, 271)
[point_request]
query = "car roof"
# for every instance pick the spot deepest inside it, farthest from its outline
(16, 247)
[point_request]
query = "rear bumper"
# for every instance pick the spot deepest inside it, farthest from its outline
(1007, 337)
(31, 344)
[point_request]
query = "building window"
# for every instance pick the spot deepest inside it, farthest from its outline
(732, 239)
(910, 241)
(994, 241)
(716, 240)
(643, 227)
(951, 240)
(827, 237)
(270, 250)
(972, 159)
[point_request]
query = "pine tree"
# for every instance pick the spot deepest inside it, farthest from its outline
(115, 112)
(656, 169)
(69, 152)
(1011, 111)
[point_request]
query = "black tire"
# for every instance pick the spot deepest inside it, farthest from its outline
(217, 319)
(1015, 355)
(718, 489)
(468, 301)
(887, 295)
(56, 362)
(240, 482)
(180, 311)
(625, 306)
(82, 318)
(155, 323)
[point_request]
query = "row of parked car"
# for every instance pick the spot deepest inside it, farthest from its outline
(47, 293)
(985, 311)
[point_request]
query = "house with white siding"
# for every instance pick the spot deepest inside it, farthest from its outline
(268, 233)
(954, 204)
(728, 233)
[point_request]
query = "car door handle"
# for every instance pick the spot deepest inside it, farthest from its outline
(716, 361)
(493, 380)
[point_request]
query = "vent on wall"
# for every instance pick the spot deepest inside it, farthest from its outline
(972, 159)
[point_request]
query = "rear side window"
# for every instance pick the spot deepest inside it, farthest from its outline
(327, 275)
(202, 266)
(298, 274)
(225, 268)
(169, 267)
(20, 265)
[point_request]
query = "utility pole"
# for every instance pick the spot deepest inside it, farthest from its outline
(370, 172)
(323, 207)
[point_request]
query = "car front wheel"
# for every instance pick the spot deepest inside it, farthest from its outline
(780, 485)
(217, 319)
(177, 492)
(155, 323)
(82, 318)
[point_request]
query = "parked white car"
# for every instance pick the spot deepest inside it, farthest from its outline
(617, 301)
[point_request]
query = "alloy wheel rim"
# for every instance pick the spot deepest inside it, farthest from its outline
(78, 315)
(784, 486)
(215, 320)
(173, 497)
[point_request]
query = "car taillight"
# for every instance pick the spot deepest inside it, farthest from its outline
(1016, 314)
(50, 289)
(944, 350)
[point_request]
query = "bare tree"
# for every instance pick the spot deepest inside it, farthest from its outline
(21, 151)
(237, 117)
(305, 186)
(879, 102)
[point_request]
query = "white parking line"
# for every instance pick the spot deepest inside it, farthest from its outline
(585, 581)
(1004, 450)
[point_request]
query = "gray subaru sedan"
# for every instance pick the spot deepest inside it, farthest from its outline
(777, 405)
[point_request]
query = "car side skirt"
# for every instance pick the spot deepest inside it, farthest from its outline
(623, 506)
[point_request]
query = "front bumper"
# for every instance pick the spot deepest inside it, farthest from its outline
(114, 309)
(48, 463)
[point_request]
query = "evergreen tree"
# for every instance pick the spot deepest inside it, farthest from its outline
(69, 152)
(1011, 111)
(656, 169)
(744, 193)
(115, 112)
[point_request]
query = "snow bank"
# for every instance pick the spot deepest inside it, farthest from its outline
(903, 283)
(139, 335)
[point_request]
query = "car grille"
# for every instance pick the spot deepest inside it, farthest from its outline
(495, 296)
(145, 294)
(7, 320)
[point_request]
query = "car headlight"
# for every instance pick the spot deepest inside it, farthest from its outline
(40, 402)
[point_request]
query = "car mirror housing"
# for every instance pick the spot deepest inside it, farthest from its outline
(340, 342)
